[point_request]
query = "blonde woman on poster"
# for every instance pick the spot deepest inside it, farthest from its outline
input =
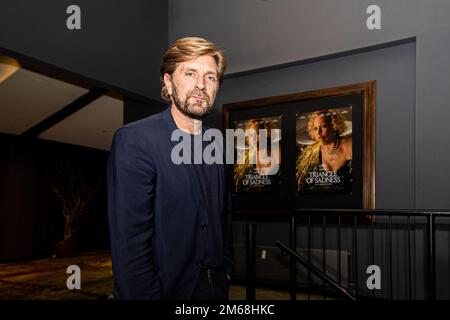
(325, 165)
(252, 173)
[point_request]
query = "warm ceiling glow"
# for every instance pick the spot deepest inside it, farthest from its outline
(7, 67)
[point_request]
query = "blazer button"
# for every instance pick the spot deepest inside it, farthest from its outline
(204, 227)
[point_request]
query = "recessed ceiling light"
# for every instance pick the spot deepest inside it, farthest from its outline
(8, 67)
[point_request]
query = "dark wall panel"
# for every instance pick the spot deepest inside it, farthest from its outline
(30, 212)
(134, 110)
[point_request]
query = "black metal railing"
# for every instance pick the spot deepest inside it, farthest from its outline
(372, 237)
(315, 270)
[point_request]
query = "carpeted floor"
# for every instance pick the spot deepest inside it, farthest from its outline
(45, 279)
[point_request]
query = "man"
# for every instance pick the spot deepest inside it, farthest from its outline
(170, 224)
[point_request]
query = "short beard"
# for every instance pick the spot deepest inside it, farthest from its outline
(187, 108)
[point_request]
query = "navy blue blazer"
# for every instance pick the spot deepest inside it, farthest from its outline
(156, 214)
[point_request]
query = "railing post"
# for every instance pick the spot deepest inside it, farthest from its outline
(431, 257)
(251, 260)
(293, 262)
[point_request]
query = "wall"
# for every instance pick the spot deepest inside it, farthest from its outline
(120, 43)
(17, 199)
(30, 211)
(259, 36)
(264, 33)
(134, 110)
(432, 114)
(394, 70)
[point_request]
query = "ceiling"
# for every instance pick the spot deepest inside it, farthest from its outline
(27, 98)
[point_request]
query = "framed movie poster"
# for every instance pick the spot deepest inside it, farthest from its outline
(324, 151)
(326, 158)
(251, 174)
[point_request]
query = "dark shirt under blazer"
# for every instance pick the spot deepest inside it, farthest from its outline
(160, 228)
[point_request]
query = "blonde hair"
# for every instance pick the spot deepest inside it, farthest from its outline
(307, 163)
(240, 170)
(189, 48)
(332, 117)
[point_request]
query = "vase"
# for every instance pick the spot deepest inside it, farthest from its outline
(64, 249)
